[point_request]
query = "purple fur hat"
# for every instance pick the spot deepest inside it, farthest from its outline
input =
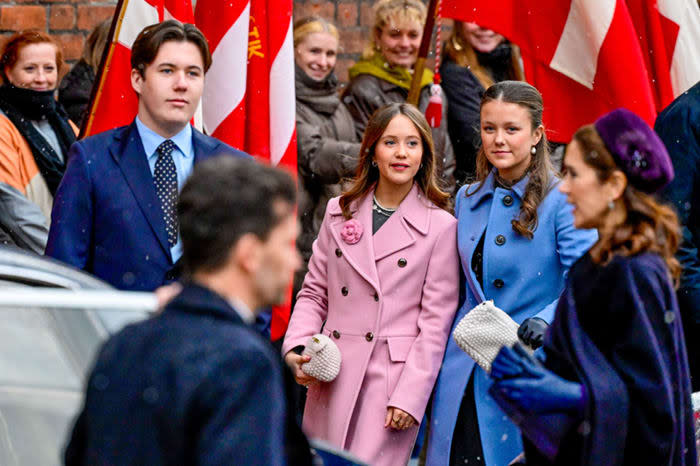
(637, 150)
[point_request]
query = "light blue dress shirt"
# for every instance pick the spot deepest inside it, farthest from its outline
(183, 156)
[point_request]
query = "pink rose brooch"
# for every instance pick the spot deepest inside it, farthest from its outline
(352, 231)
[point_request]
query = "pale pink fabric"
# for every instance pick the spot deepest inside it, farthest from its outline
(410, 322)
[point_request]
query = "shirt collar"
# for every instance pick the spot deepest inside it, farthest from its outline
(151, 140)
(242, 310)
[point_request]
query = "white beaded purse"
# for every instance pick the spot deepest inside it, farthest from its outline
(483, 331)
(325, 358)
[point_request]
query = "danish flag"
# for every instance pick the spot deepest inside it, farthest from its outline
(588, 57)
(114, 102)
(248, 99)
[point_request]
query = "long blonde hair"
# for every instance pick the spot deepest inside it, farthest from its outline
(460, 50)
(367, 175)
(387, 12)
(95, 44)
(311, 24)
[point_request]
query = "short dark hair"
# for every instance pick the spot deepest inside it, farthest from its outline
(224, 199)
(149, 40)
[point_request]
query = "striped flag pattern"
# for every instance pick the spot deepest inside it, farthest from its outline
(114, 102)
(588, 57)
(248, 100)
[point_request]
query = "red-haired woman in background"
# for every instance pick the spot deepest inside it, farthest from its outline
(35, 135)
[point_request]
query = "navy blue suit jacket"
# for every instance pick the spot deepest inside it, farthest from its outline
(107, 219)
(193, 385)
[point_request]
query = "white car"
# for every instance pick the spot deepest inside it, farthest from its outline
(54, 319)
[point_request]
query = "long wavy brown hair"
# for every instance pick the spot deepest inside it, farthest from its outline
(367, 175)
(645, 226)
(540, 170)
(458, 48)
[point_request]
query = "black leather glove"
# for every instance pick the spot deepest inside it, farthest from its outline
(531, 331)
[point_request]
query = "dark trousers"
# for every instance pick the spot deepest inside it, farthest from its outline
(466, 439)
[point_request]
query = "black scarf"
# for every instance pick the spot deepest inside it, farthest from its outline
(22, 106)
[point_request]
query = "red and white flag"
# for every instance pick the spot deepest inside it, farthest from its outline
(588, 57)
(114, 101)
(248, 99)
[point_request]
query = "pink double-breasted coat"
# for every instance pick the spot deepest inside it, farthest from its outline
(388, 302)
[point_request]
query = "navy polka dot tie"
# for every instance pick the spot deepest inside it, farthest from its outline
(165, 179)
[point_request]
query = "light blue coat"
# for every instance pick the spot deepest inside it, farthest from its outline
(532, 273)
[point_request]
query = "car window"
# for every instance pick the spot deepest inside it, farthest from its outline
(45, 355)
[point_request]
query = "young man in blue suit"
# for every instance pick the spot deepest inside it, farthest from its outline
(196, 384)
(114, 211)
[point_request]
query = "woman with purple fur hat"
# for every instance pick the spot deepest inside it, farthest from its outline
(615, 388)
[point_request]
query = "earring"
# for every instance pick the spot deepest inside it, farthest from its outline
(533, 150)
(374, 163)
(611, 205)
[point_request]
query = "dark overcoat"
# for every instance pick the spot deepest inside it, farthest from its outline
(617, 330)
(194, 385)
(678, 127)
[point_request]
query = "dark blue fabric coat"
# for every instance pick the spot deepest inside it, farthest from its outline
(679, 128)
(107, 219)
(617, 331)
(194, 385)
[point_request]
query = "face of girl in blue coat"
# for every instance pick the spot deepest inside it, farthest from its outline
(508, 137)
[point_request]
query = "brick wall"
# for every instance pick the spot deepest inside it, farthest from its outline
(70, 21)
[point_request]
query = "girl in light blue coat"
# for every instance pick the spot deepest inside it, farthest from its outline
(516, 242)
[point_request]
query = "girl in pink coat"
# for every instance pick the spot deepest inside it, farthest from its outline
(383, 283)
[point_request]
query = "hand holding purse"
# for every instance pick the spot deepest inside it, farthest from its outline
(325, 358)
(483, 331)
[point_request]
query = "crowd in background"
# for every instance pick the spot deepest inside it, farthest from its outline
(405, 228)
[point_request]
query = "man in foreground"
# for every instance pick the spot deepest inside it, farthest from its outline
(196, 384)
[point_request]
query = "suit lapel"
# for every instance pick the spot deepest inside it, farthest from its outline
(203, 147)
(131, 157)
(361, 254)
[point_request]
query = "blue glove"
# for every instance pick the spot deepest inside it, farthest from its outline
(532, 388)
(531, 331)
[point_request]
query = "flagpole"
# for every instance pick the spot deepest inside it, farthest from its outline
(101, 74)
(414, 92)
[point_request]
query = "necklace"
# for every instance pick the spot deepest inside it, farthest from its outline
(381, 209)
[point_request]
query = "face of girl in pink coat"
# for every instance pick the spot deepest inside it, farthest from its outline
(398, 154)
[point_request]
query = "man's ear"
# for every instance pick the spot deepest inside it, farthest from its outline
(247, 253)
(136, 80)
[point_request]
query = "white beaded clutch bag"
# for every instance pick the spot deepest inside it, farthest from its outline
(483, 331)
(325, 358)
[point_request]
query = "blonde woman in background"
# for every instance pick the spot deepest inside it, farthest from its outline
(475, 58)
(384, 75)
(327, 145)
